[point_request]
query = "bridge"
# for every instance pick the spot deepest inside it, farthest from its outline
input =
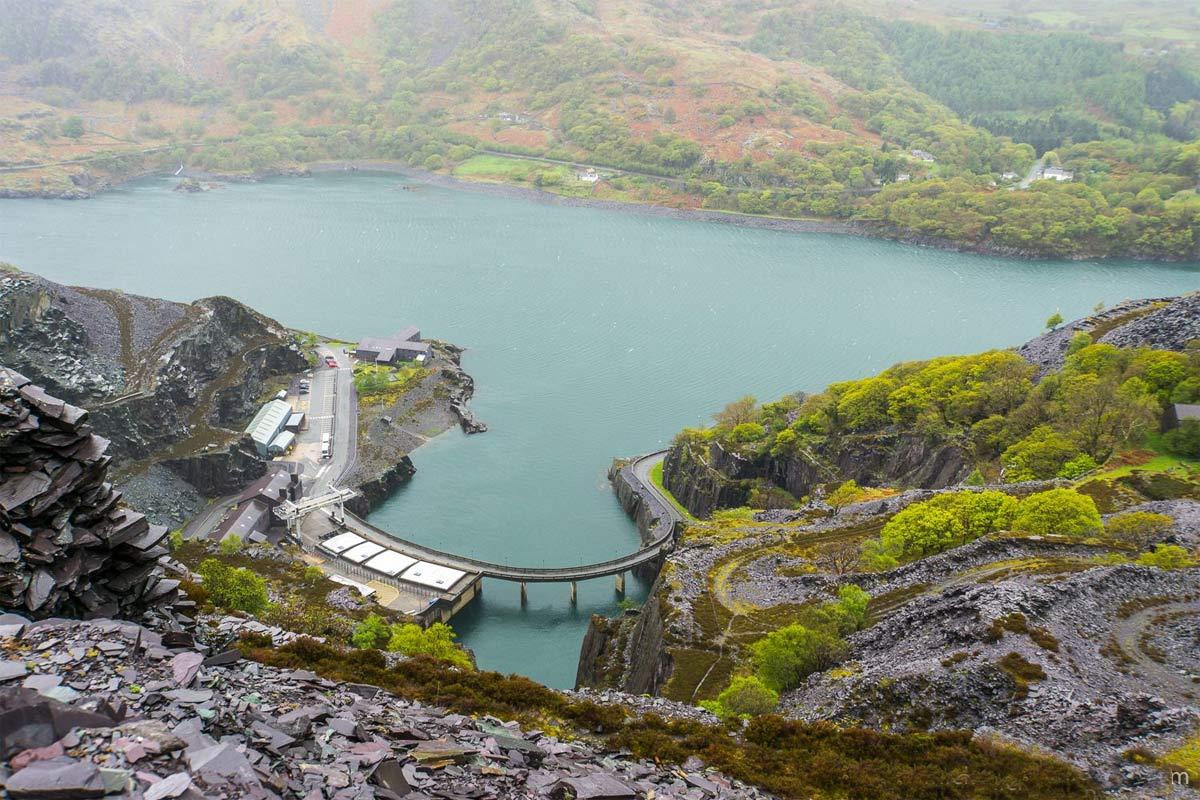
(661, 510)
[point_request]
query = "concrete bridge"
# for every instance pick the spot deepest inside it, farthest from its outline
(663, 513)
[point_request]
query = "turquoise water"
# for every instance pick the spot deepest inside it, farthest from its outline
(592, 334)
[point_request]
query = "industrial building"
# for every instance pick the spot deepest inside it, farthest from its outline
(267, 424)
(403, 346)
(252, 516)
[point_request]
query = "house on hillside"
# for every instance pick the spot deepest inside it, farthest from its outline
(922, 155)
(1057, 174)
(403, 346)
(1178, 413)
(588, 175)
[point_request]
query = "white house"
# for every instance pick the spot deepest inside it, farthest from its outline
(1057, 174)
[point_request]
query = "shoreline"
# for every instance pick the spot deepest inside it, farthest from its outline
(860, 228)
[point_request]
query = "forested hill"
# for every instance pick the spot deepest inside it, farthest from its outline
(924, 122)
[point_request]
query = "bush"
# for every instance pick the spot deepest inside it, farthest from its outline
(233, 588)
(1184, 440)
(1139, 528)
(1077, 467)
(785, 657)
(1167, 556)
(372, 633)
(1039, 456)
(945, 521)
(747, 432)
(231, 545)
(746, 696)
(1058, 511)
(72, 127)
(852, 603)
(437, 640)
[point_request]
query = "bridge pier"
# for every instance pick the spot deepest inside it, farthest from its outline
(621, 583)
(524, 594)
(574, 594)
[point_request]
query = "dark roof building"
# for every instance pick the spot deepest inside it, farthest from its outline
(1180, 412)
(252, 516)
(403, 346)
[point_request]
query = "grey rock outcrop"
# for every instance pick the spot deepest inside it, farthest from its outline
(67, 546)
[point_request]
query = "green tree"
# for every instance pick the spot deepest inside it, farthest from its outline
(852, 603)
(1039, 456)
(72, 127)
(234, 588)
(746, 696)
(437, 640)
(1167, 556)
(844, 495)
(1184, 440)
(1058, 511)
(231, 545)
(1054, 320)
(372, 633)
(785, 657)
(737, 413)
(747, 432)
(1140, 528)
(1100, 413)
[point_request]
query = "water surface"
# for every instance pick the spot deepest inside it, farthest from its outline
(591, 334)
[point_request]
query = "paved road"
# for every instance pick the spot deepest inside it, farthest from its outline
(334, 410)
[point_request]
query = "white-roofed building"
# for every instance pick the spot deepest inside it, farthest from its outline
(267, 424)
(390, 563)
(341, 543)
(360, 553)
(435, 576)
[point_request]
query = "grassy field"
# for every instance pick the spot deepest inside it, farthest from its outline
(1160, 461)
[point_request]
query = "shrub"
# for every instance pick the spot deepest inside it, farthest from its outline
(785, 657)
(1077, 467)
(231, 545)
(372, 633)
(1058, 511)
(852, 603)
(1184, 440)
(746, 696)
(1039, 456)
(234, 588)
(876, 558)
(1167, 556)
(747, 432)
(72, 127)
(437, 640)
(1139, 528)
(945, 521)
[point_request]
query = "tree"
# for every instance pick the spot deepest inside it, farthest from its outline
(840, 557)
(1140, 528)
(852, 602)
(737, 412)
(747, 432)
(1058, 511)
(234, 588)
(72, 127)
(1100, 413)
(437, 640)
(1167, 556)
(746, 696)
(372, 633)
(844, 495)
(1184, 440)
(785, 657)
(230, 545)
(1054, 320)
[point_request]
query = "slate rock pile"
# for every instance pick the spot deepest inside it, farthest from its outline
(112, 709)
(67, 546)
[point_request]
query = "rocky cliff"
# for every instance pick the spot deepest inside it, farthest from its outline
(155, 374)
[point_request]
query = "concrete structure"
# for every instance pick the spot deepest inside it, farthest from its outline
(267, 424)
(403, 346)
(295, 422)
(252, 515)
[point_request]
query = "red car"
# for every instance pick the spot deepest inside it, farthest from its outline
(330, 361)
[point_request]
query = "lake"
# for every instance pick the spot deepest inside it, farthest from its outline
(591, 334)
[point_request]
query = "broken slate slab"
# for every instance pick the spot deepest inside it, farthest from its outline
(10, 670)
(56, 779)
(598, 786)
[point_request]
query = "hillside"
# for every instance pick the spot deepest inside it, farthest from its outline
(1005, 543)
(915, 127)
